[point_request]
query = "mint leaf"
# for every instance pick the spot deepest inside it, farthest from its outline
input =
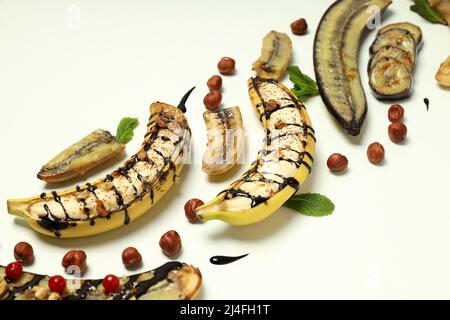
(424, 9)
(311, 204)
(125, 130)
(304, 86)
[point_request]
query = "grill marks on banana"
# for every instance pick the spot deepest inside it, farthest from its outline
(284, 150)
(336, 49)
(161, 149)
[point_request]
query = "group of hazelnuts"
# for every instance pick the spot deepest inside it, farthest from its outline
(227, 67)
(170, 244)
(397, 131)
(212, 100)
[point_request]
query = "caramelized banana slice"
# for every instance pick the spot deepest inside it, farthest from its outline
(415, 31)
(75, 161)
(391, 52)
(443, 74)
(225, 140)
(398, 38)
(390, 79)
(275, 56)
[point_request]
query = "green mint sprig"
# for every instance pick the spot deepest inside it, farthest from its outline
(311, 204)
(125, 130)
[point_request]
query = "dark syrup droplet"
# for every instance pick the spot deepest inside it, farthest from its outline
(427, 103)
(222, 260)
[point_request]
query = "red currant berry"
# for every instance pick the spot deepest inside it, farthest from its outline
(111, 284)
(57, 284)
(14, 271)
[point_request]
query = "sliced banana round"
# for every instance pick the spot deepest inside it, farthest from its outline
(390, 79)
(398, 38)
(412, 28)
(400, 55)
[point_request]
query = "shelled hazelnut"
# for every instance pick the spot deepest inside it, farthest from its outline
(396, 113)
(337, 162)
(397, 132)
(299, 27)
(212, 100)
(74, 258)
(375, 153)
(189, 210)
(226, 66)
(131, 258)
(214, 83)
(170, 243)
(23, 252)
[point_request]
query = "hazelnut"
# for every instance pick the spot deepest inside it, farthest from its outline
(212, 100)
(214, 83)
(272, 105)
(162, 121)
(226, 66)
(397, 132)
(396, 113)
(337, 162)
(131, 258)
(299, 27)
(74, 258)
(40, 292)
(170, 243)
(3, 287)
(101, 210)
(280, 125)
(189, 210)
(375, 153)
(23, 252)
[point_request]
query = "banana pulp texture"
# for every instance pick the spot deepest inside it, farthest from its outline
(281, 166)
(275, 57)
(394, 58)
(172, 281)
(92, 150)
(443, 74)
(225, 140)
(123, 195)
(336, 49)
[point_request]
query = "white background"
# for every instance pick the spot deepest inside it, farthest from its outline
(389, 235)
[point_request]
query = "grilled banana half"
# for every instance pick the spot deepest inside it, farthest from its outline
(281, 166)
(336, 49)
(92, 150)
(172, 281)
(275, 56)
(121, 196)
(225, 140)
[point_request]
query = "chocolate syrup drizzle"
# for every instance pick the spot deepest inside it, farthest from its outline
(50, 222)
(269, 139)
(132, 288)
(222, 260)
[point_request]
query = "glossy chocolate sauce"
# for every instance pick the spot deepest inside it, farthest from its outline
(427, 103)
(50, 222)
(223, 260)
